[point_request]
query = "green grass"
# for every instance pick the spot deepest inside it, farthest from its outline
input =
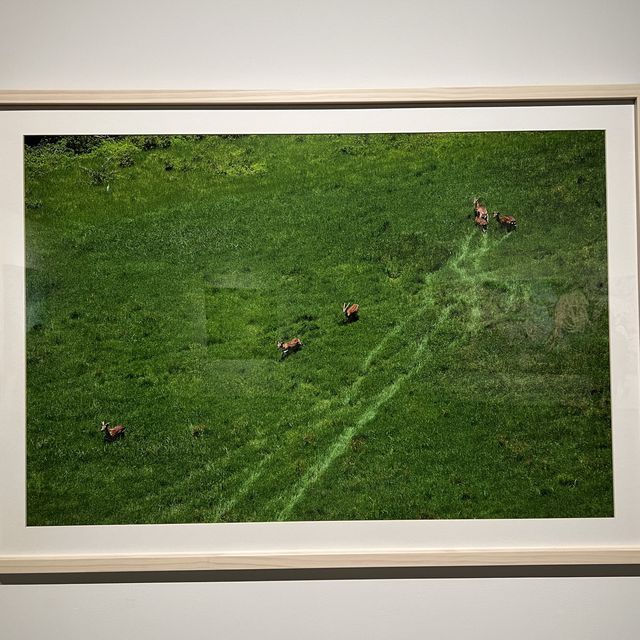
(162, 272)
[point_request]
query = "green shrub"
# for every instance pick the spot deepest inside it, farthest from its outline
(100, 176)
(83, 144)
(126, 160)
(42, 159)
(148, 143)
(120, 152)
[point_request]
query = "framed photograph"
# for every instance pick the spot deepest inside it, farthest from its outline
(328, 329)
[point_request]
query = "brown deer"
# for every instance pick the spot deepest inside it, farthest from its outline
(111, 433)
(350, 311)
(289, 347)
(481, 215)
(506, 222)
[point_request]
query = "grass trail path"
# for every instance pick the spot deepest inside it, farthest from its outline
(360, 405)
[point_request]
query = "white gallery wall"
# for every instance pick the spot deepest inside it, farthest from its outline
(282, 44)
(300, 44)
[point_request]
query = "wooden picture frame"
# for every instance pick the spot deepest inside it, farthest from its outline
(351, 556)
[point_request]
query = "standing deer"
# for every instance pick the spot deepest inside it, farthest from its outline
(506, 222)
(481, 215)
(350, 311)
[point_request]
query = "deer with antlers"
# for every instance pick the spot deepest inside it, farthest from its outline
(350, 311)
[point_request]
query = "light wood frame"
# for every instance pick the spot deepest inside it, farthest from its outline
(468, 96)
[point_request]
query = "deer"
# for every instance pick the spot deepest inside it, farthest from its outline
(506, 222)
(350, 311)
(482, 222)
(289, 347)
(112, 433)
(481, 215)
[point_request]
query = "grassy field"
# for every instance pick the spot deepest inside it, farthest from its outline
(162, 272)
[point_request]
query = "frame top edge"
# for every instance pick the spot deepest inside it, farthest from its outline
(41, 98)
